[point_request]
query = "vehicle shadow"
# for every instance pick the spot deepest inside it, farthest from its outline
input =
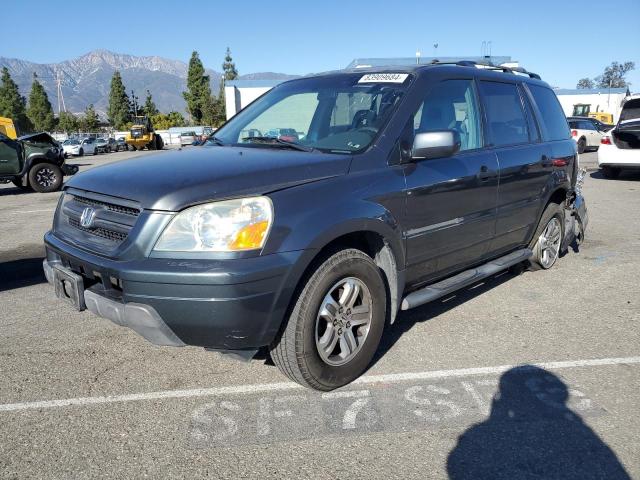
(21, 273)
(407, 319)
(624, 175)
(532, 433)
(21, 267)
(13, 191)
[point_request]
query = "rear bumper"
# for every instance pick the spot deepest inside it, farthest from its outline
(612, 156)
(234, 304)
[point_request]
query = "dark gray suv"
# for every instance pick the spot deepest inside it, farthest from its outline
(400, 186)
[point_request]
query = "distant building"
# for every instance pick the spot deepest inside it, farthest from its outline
(608, 100)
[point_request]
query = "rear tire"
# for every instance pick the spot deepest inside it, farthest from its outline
(336, 323)
(582, 145)
(611, 172)
(547, 241)
(45, 177)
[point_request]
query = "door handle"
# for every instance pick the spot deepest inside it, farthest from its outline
(484, 174)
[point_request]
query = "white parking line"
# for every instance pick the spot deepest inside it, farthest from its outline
(270, 387)
(22, 212)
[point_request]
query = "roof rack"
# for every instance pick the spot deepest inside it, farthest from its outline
(489, 66)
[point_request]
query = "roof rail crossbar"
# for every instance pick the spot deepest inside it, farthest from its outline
(490, 66)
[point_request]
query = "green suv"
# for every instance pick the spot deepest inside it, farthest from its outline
(33, 162)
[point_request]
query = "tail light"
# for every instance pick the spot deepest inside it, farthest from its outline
(605, 140)
(574, 133)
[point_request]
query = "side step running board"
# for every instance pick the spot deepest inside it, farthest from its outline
(463, 279)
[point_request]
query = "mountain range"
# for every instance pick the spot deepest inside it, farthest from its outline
(86, 80)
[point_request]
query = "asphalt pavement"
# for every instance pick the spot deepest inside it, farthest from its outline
(529, 375)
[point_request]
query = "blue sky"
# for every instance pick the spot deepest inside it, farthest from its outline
(561, 40)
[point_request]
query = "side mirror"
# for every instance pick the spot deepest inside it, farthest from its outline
(435, 144)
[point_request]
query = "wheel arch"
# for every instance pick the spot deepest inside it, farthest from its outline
(375, 239)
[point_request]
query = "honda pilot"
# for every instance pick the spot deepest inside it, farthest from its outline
(400, 186)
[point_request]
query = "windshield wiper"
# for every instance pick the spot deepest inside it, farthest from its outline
(278, 142)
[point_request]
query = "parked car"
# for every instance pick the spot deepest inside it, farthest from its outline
(600, 126)
(33, 162)
(441, 176)
(121, 144)
(106, 145)
(585, 134)
(286, 134)
(620, 147)
(72, 147)
(187, 138)
(89, 145)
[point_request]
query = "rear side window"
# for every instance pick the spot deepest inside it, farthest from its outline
(554, 123)
(505, 116)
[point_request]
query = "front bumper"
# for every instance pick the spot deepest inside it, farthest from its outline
(234, 304)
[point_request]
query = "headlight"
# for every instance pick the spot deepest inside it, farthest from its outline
(227, 226)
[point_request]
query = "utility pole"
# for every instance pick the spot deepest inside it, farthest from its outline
(61, 106)
(135, 103)
(418, 53)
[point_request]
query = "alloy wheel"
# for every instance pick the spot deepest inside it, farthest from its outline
(46, 177)
(343, 321)
(549, 243)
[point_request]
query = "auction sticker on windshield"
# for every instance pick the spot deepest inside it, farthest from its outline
(383, 78)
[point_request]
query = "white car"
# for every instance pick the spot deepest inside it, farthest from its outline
(620, 147)
(187, 138)
(72, 147)
(586, 135)
(89, 145)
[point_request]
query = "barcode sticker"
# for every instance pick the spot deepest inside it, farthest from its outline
(383, 78)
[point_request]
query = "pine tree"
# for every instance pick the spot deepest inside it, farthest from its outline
(12, 104)
(40, 112)
(90, 120)
(229, 72)
(198, 89)
(150, 108)
(67, 122)
(229, 67)
(118, 111)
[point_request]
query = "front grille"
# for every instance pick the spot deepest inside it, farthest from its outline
(111, 221)
(99, 231)
(110, 206)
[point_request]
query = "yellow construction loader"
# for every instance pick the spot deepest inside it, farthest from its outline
(8, 128)
(143, 135)
(584, 110)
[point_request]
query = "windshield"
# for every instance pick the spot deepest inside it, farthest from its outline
(339, 114)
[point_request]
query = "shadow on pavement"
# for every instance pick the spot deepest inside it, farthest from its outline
(532, 433)
(624, 175)
(407, 319)
(22, 267)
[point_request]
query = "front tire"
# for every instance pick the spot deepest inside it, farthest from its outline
(336, 323)
(45, 177)
(547, 241)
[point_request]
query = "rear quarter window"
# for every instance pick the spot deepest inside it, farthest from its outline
(554, 123)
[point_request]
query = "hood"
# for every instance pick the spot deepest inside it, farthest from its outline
(174, 180)
(41, 137)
